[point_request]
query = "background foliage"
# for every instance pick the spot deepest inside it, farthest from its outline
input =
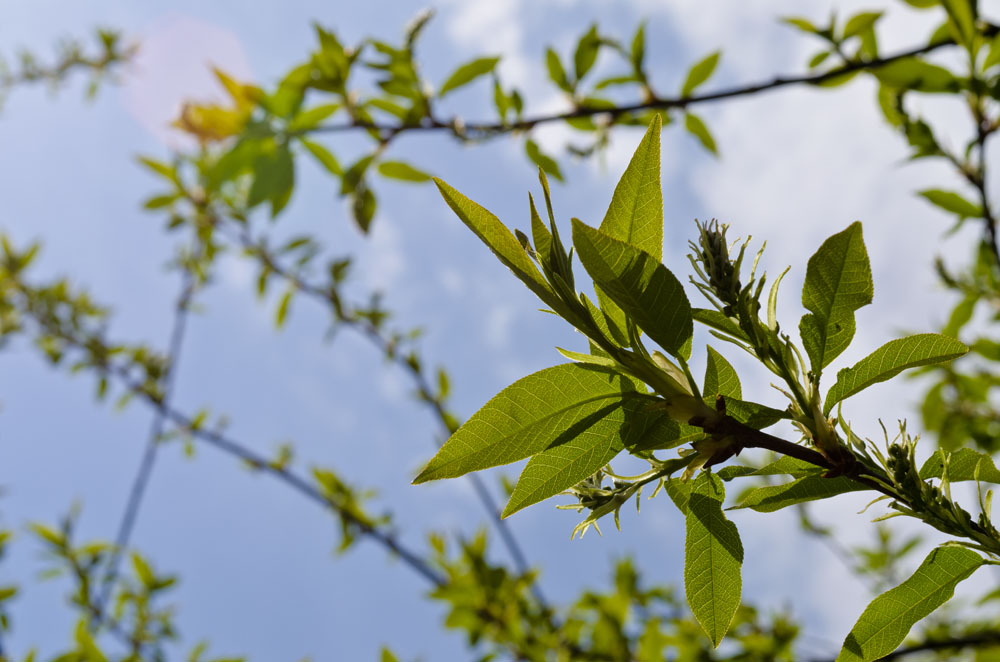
(216, 196)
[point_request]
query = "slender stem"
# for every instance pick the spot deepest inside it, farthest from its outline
(148, 460)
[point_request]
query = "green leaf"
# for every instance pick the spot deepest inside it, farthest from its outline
(310, 119)
(363, 205)
(88, 646)
(713, 555)
(542, 160)
(281, 314)
(720, 377)
(635, 214)
(586, 52)
(557, 74)
(402, 171)
(753, 414)
(501, 241)
(808, 488)
(566, 463)
(639, 284)
(891, 359)
(716, 320)
(962, 466)
(697, 128)
(785, 465)
(801, 23)
(638, 51)
(547, 408)
(467, 73)
(274, 178)
(993, 55)
(961, 20)
(160, 201)
(699, 73)
(860, 22)
(886, 621)
(838, 282)
(915, 74)
(324, 156)
(952, 202)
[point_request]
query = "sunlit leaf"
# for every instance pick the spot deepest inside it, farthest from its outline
(713, 556)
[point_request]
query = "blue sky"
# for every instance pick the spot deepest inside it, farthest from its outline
(258, 573)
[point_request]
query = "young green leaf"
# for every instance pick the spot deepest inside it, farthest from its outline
(501, 241)
(324, 156)
(860, 22)
(808, 488)
(886, 621)
(838, 282)
(785, 465)
(753, 414)
(542, 160)
(550, 407)
(915, 74)
(274, 179)
(952, 202)
(402, 171)
(891, 359)
(697, 128)
(467, 73)
(699, 73)
(635, 214)
(557, 74)
(310, 119)
(639, 284)
(720, 377)
(962, 466)
(713, 555)
(586, 52)
(716, 320)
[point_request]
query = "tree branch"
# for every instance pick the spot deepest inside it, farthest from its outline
(148, 460)
(492, 129)
(424, 389)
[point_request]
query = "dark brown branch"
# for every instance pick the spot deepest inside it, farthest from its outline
(749, 437)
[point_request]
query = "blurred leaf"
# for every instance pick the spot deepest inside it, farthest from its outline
(542, 160)
(557, 74)
(952, 202)
(467, 73)
(696, 127)
(402, 171)
(699, 73)
(310, 119)
(323, 155)
(860, 22)
(586, 52)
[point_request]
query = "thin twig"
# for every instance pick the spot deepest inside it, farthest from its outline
(424, 389)
(491, 129)
(148, 460)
